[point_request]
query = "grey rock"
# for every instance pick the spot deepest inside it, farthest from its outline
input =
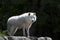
(41, 38)
(44, 38)
(14, 38)
(33, 38)
(24, 38)
(1, 38)
(18, 38)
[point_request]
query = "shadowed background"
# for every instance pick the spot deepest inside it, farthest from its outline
(47, 11)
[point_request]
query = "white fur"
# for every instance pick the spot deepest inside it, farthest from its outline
(23, 21)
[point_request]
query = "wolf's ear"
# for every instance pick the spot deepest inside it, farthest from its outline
(29, 14)
(34, 13)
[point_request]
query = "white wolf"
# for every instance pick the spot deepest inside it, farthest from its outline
(23, 21)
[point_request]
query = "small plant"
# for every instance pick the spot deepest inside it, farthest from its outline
(2, 33)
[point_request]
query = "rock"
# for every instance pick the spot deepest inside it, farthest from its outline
(21, 38)
(18, 38)
(14, 38)
(1, 38)
(33, 38)
(49, 38)
(41, 38)
(24, 38)
(44, 38)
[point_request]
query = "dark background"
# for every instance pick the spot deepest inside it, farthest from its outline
(48, 16)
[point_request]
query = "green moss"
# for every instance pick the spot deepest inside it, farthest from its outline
(3, 33)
